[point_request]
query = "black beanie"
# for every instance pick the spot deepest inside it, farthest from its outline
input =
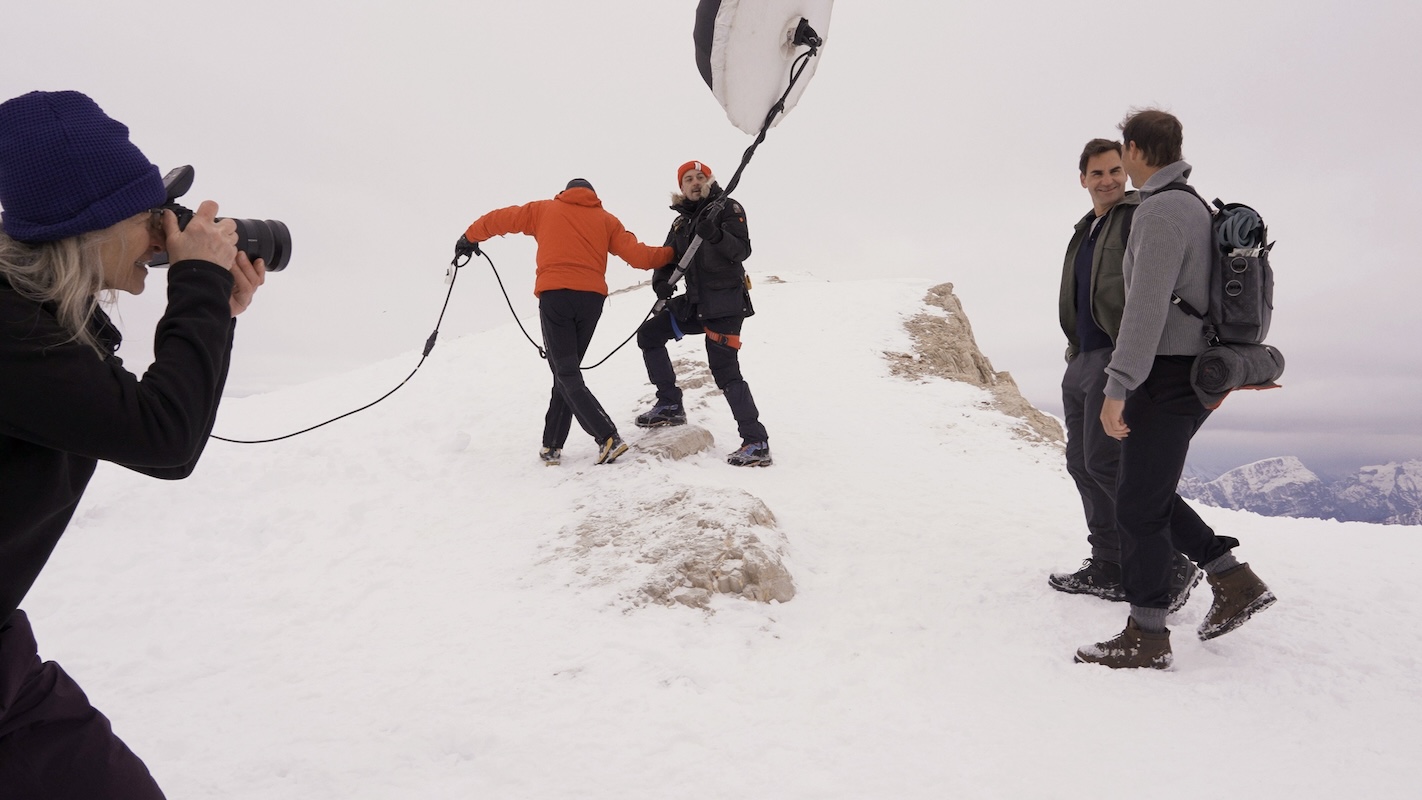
(578, 183)
(66, 168)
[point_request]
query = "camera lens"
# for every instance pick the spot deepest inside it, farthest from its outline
(268, 240)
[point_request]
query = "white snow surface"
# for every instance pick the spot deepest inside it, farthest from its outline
(389, 606)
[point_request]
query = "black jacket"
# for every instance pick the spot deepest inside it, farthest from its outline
(62, 408)
(716, 279)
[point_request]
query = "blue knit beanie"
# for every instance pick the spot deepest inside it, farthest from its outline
(67, 169)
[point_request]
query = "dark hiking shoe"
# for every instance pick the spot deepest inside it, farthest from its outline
(751, 454)
(662, 416)
(1184, 576)
(551, 456)
(1132, 648)
(610, 449)
(1239, 595)
(1096, 577)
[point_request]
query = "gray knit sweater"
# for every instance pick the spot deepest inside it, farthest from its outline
(1170, 251)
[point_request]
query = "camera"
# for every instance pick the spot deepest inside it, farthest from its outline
(267, 239)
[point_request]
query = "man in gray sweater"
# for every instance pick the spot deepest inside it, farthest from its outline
(1093, 295)
(1151, 408)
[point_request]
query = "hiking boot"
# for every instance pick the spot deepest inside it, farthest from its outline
(1096, 577)
(1184, 576)
(751, 454)
(1239, 594)
(611, 448)
(1132, 648)
(662, 416)
(551, 456)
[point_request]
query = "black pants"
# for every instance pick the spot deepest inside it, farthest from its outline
(1163, 415)
(722, 355)
(52, 742)
(1092, 457)
(569, 319)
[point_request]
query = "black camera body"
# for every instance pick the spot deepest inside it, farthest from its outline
(269, 240)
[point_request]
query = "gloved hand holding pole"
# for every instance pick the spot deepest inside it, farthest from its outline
(679, 271)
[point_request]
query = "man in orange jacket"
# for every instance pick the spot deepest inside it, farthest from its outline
(575, 235)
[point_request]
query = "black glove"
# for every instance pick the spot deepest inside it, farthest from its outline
(664, 289)
(709, 228)
(464, 247)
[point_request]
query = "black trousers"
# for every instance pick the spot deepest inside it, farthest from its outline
(569, 319)
(52, 742)
(1163, 415)
(1092, 457)
(722, 355)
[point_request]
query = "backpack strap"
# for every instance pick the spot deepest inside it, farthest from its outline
(1182, 186)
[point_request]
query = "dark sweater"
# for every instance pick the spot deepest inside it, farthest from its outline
(63, 408)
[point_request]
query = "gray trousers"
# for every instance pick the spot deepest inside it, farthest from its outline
(1092, 457)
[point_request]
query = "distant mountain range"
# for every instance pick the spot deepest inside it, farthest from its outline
(1390, 494)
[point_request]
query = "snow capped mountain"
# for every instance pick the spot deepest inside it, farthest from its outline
(1276, 487)
(1389, 494)
(1284, 487)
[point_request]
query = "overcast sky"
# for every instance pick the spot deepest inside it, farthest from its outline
(936, 141)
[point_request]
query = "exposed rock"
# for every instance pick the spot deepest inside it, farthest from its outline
(676, 443)
(682, 545)
(944, 347)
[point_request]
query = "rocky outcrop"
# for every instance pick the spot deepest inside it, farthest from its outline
(682, 545)
(944, 347)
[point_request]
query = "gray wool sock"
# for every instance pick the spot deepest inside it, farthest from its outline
(1150, 619)
(1224, 563)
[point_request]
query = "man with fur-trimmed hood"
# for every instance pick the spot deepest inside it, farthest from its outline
(715, 303)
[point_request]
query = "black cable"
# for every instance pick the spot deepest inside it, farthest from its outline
(429, 345)
(796, 69)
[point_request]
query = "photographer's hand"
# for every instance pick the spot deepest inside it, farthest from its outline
(247, 277)
(204, 238)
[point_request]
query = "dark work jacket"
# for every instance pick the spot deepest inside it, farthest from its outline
(716, 279)
(1108, 285)
(63, 408)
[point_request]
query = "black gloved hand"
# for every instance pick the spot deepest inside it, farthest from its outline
(464, 247)
(709, 228)
(664, 289)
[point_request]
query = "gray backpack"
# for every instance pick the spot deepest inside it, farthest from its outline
(1242, 283)
(1241, 306)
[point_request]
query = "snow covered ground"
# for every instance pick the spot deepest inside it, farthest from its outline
(392, 606)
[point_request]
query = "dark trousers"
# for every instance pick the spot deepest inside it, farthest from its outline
(1092, 457)
(53, 744)
(722, 355)
(1163, 415)
(569, 319)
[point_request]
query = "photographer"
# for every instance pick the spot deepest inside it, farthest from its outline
(80, 221)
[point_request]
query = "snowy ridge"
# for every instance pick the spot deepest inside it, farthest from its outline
(1387, 494)
(408, 604)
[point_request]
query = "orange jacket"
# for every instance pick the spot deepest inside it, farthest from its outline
(574, 236)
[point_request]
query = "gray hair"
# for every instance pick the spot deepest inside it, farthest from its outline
(67, 273)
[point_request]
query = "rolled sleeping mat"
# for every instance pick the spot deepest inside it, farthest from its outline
(745, 50)
(1223, 368)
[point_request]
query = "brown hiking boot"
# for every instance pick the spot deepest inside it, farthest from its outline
(1239, 594)
(1132, 648)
